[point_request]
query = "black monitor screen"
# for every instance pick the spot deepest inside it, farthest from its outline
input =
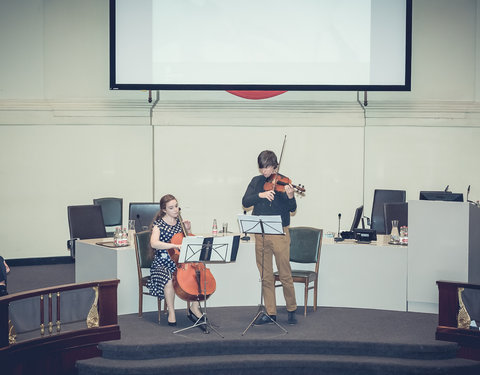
(441, 196)
(356, 218)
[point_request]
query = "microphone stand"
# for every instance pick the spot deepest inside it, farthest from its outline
(468, 193)
(338, 238)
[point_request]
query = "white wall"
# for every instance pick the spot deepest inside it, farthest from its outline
(66, 139)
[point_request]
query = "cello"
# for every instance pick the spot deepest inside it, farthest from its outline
(191, 281)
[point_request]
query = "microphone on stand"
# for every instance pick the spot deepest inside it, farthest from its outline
(246, 237)
(446, 189)
(338, 238)
(468, 193)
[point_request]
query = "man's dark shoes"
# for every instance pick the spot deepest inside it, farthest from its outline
(265, 319)
(291, 318)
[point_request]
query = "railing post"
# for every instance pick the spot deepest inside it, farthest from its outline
(447, 304)
(107, 303)
(4, 329)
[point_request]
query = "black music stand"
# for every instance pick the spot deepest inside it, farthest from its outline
(261, 225)
(195, 249)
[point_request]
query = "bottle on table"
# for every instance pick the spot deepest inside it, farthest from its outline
(124, 237)
(116, 237)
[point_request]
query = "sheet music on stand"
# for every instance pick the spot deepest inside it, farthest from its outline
(272, 224)
(265, 224)
(200, 249)
(222, 249)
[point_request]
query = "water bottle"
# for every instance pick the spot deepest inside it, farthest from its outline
(214, 228)
(116, 237)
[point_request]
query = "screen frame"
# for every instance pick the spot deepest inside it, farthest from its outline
(442, 196)
(260, 87)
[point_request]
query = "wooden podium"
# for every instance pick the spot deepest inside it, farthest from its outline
(443, 244)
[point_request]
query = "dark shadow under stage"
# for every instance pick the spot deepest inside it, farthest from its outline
(330, 341)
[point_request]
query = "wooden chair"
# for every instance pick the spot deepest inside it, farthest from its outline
(144, 257)
(305, 247)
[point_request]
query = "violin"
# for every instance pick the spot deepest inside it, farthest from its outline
(277, 182)
(191, 281)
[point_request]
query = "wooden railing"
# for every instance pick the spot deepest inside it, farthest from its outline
(449, 319)
(57, 353)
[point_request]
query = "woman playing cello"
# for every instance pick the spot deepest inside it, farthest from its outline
(165, 225)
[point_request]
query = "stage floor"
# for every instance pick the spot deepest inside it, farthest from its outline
(327, 323)
(330, 341)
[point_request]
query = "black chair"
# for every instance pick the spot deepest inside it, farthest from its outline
(143, 214)
(381, 197)
(112, 210)
(84, 221)
(395, 211)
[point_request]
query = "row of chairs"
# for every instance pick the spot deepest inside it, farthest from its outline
(99, 219)
(95, 220)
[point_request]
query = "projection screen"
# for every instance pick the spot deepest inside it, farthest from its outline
(260, 44)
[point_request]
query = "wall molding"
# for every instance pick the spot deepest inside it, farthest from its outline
(436, 114)
(239, 113)
(258, 113)
(113, 112)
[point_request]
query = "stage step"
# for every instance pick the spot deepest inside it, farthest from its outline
(436, 350)
(259, 364)
(331, 341)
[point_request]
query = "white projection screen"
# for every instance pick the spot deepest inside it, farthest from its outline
(260, 44)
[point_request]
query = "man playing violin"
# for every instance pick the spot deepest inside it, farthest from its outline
(272, 201)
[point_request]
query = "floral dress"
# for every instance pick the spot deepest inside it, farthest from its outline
(163, 266)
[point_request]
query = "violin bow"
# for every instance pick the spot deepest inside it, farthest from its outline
(281, 153)
(274, 182)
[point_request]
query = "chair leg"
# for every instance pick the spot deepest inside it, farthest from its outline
(306, 298)
(159, 303)
(315, 285)
(140, 303)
